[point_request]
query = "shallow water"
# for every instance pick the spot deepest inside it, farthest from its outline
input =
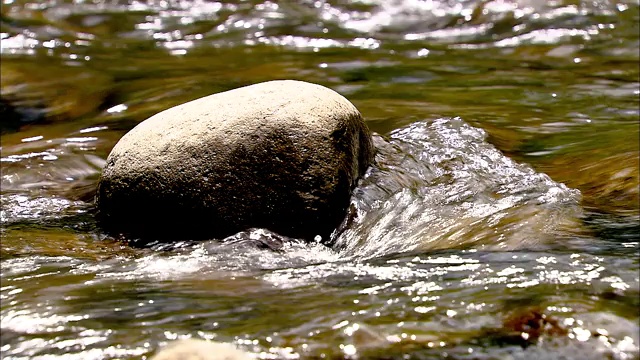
(500, 220)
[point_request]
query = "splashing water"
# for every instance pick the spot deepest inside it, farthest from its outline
(435, 185)
(451, 249)
(439, 184)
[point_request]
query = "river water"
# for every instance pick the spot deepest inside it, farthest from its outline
(499, 221)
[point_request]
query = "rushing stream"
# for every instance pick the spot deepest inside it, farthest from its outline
(499, 221)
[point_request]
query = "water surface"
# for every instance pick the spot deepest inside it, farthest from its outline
(499, 221)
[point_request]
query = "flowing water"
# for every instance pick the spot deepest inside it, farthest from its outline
(499, 221)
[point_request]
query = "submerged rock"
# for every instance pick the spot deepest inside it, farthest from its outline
(191, 349)
(281, 155)
(14, 117)
(31, 92)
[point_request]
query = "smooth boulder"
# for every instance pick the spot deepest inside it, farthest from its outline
(282, 155)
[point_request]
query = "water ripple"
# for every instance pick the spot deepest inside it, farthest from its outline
(439, 184)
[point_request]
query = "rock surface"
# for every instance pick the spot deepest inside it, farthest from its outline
(282, 155)
(191, 349)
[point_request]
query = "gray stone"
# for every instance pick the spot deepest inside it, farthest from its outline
(194, 349)
(282, 155)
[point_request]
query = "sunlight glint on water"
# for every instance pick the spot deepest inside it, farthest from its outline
(456, 249)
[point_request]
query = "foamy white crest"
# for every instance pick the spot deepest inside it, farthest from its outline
(439, 184)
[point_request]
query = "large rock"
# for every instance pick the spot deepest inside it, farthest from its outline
(281, 155)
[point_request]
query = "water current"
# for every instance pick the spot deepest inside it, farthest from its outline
(499, 220)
